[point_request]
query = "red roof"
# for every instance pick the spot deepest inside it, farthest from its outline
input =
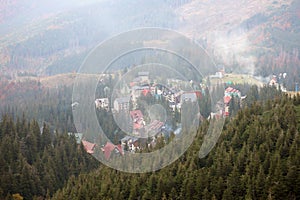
(88, 146)
(137, 126)
(145, 92)
(227, 99)
(231, 90)
(155, 125)
(137, 117)
(109, 147)
(199, 94)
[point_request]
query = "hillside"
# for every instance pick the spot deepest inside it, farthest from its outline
(257, 157)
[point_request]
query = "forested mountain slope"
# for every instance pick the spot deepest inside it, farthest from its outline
(34, 162)
(257, 157)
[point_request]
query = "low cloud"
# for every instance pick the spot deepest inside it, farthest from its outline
(233, 49)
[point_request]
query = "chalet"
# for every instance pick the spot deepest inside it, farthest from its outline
(273, 81)
(146, 92)
(109, 148)
(137, 91)
(232, 92)
(131, 142)
(143, 76)
(214, 115)
(122, 104)
(102, 103)
(228, 94)
(226, 110)
(218, 74)
(278, 83)
(137, 116)
(154, 128)
(138, 121)
(88, 146)
(227, 100)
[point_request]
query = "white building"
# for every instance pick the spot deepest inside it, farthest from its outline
(102, 103)
(122, 103)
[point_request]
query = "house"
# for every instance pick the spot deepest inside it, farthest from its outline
(122, 103)
(188, 96)
(137, 118)
(227, 100)
(218, 74)
(228, 94)
(88, 146)
(137, 91)
(154, 128)
(109, 148)
(102, 103)
(214, 115)
(273, 81)
(136, 115)
(278, 83)
(78, 136)
(146, 92)
(143, 76)
(226, 111)
(232, 92)
(131, 142)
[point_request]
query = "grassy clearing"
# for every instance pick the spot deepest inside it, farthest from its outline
(238, 79)
(292, 94)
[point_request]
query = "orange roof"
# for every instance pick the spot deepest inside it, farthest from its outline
(109, 147)
(227, 99)
(88, 146)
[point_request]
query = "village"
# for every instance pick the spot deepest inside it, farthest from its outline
(145, 131)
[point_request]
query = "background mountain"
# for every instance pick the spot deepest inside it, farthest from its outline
(53, 37)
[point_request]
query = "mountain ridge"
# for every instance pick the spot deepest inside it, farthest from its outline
(242, 35)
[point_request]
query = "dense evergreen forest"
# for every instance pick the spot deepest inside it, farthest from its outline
(256, 157)
(34, 162)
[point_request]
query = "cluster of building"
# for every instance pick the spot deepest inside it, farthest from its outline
(277, 81)
(228, 94)
(174, 95)
(142, 131)
(141, 86)
(223, 105)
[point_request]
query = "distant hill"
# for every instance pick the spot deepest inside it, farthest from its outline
(256, 37)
